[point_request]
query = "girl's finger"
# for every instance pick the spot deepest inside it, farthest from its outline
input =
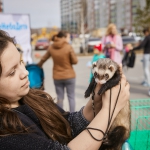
(120, 68)
(123, 81)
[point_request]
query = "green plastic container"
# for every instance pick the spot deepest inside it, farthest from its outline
(140, 124)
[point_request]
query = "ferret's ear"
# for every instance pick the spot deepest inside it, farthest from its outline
(111, 68)
(94, 64)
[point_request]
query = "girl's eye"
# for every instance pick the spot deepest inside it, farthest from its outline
(12, 73)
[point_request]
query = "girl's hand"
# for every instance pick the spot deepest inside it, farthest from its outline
(123, 96)
(97, 97)
(113, 45)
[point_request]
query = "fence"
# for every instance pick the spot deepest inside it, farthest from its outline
(140, 124)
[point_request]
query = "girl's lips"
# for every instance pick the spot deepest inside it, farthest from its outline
(26, 84)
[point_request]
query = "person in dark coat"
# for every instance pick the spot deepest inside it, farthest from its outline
(145, 45)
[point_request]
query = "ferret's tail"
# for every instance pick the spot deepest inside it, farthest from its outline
(115, 139)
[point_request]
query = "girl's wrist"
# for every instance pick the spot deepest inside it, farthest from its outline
(106, 109)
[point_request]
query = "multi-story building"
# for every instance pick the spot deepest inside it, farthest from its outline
(64, 14)
(123, 12)
(91, 15)
(119, 16)
(70, 15)
(72, 11)
(104, 13)
(127, 15)
(99, 13)
(113, 11)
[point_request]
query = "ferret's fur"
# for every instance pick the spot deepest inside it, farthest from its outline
(107, 73)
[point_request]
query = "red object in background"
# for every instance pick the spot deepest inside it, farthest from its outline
(98, 47)
(37, 55)
(42, 44)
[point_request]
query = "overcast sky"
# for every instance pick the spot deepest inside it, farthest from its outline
(43, 13)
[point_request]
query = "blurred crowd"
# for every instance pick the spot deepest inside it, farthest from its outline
(113, 45)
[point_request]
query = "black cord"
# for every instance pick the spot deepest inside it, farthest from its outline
(93, 136)
(115, 103)
(109, 117)
(93, 94)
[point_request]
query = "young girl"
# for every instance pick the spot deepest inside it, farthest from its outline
(98, 54)
(127, 49)
(30, 120)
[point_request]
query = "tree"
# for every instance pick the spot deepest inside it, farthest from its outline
(142, 18)
(82, 23)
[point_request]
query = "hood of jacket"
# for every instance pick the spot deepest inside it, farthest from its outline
(58, 43)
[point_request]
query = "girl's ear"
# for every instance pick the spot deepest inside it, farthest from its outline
(111, 68)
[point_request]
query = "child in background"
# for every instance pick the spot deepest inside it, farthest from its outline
(98, 54)
(127, 49)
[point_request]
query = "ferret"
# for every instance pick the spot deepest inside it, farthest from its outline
(107, 73)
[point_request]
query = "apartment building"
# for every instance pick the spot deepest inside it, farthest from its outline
(100, 13)
(123, 12)
(70, 15)
(91, 14)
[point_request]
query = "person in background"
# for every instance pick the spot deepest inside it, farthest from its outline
(98, 54)
(112, 44)
(52, 39)
(64, 75)
(145, 44)
(30, 120)
(128, 47)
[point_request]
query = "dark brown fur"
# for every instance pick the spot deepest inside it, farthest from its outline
(120, 128)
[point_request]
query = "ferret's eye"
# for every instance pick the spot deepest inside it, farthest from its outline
(106, 76)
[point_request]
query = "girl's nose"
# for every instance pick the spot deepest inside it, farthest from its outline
(24, 73)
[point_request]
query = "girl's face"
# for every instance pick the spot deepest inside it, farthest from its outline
(14, 82)
(96, 51)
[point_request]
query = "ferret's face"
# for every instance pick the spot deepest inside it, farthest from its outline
(102, 73)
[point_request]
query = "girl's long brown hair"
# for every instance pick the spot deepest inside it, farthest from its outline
(52, 121)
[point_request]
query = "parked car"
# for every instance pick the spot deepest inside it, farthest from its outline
(42, 44)
(89, 44)
(130, 39)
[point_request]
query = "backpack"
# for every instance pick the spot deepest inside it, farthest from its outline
(129, 59)
(36, 76)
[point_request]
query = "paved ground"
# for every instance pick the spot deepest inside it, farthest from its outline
(134, 76)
